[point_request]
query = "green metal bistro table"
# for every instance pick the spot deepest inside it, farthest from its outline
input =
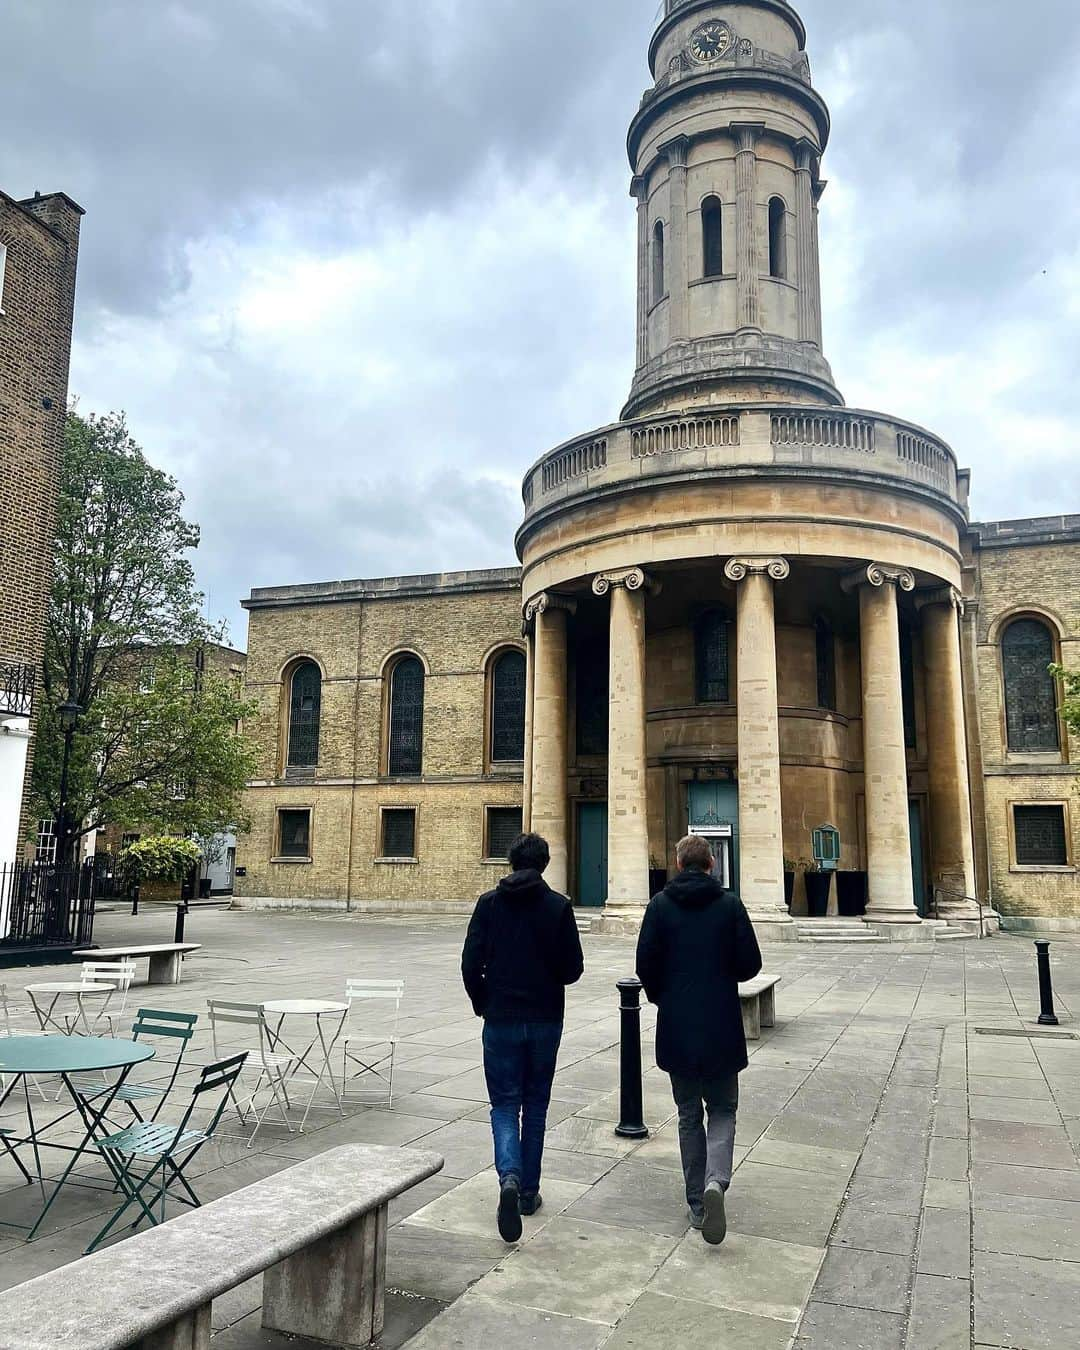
(21, 1057)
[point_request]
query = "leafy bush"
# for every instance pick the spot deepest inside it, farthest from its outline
(159, 859)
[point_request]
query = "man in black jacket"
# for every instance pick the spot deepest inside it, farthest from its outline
(696, 944)
(521, 952)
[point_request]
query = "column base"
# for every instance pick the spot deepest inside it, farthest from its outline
(620, 920)
(774, 925)
(892, 916)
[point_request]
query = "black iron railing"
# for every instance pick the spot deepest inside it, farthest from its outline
(45, 905)
(16, 689)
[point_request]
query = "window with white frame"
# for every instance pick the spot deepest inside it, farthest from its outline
(45, 849)
(3, 269)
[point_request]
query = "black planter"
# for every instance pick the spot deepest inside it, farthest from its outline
(658, 879)
(852, 893)
(818, 885)
(789, 887)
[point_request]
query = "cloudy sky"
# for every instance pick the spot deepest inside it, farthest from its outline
(351, 265)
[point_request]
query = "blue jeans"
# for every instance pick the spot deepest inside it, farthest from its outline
(519, 1064)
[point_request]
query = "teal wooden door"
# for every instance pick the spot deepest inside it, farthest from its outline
(714, 813)
(918, 863)
(592, 854)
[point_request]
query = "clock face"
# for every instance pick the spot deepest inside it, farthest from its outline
(711, 41)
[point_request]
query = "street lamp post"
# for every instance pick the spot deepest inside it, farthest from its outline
(68, 712)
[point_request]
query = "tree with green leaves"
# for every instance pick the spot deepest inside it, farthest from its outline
(1070, 680)
(163, 753)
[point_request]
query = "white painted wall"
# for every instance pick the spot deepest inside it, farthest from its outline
(14, 743)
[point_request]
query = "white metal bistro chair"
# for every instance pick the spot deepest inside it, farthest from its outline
(363, 1052)
(119, 974)
(17, 1020)
(232, 1022)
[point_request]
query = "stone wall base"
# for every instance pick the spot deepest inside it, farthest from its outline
(402, 908)
(1027, 923)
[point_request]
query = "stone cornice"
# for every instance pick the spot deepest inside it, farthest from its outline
(879, 574)
(738, 569)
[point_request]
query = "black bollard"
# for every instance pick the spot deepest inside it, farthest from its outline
(181, 915)
(1047, 1018)
(631, 1112)
(134, 901)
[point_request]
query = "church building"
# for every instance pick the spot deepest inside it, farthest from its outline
(743, 609)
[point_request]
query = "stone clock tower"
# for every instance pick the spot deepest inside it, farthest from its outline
(738, 596)
(726, 154)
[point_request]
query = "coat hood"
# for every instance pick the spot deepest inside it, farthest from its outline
(523, 886)
(694, 890)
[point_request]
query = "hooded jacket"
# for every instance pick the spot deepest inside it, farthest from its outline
(521, 951)
(696, 944)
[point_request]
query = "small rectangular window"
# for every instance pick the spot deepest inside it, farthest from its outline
(294, 834)
(399, 833)
(503, 827)
(3, 269)
(46, 842)
(1040, 836)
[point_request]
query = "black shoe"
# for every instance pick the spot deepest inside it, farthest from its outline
(531, 1203)
(510, 1210)
(714, 1229)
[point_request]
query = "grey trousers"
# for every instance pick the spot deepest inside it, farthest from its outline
(707, 1153)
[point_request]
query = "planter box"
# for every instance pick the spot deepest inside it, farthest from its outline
(789, 887)
(818, 886)
(852, 893)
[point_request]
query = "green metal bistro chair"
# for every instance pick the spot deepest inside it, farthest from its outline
(150, 1024)
(7, 1147)
(168, 1148)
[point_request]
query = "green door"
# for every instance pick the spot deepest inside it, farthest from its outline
(592, 854)
(918, 865)
(714, 813)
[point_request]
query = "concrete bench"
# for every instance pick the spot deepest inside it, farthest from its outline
(318, 1230)
(166, 958)
(758, 1000)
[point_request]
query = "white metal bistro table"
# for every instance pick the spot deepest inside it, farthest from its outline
(57, 990)
(328, 1011)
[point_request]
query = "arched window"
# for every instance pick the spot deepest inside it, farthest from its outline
(712, 647)
(826, 664)
(712, 237)
(508, 709)
(1031, 711)
(659, 279)
(305, 710)
(406, 718)
(778, 238)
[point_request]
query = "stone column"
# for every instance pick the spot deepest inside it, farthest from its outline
(805, 270)
(628, 823)
(746, 247)
(549, 767)
(639, 190)
(530, 670)
(819, 190)
(950, 796)
(888, 834)
(678, 263)
(761, 825)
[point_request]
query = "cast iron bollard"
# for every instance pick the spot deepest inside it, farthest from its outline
(1047, 1018)
(631, 1113)
(134, 901)
(181, 915)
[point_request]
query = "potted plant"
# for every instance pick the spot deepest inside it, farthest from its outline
(790, 868)
(818, 885)
(158, 865)
(852, 893)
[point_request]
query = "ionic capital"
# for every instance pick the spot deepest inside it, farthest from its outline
(879, 574)
(943, 595)
(634, 579)
(540, 604)
(738, 569)
(677, 151)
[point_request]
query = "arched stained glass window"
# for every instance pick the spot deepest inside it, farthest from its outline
(508, 709)
(712, 237)
(305, 711)
(826, 664)
(659, 275)
(778, 239)
(407, 718)
(1031, 711)
(712, 651)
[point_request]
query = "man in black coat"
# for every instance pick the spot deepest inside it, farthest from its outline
(696, 944)
(521, 951)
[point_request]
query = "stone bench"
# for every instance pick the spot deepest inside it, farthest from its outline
(758, 1000)
(318, 1230)
(166, 958)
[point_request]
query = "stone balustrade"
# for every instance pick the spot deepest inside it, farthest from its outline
(764, 436)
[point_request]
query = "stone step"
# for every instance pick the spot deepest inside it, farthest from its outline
(849, 939)
(954, 935)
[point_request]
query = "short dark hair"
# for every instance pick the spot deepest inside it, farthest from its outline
(694, 854)
(529, 851)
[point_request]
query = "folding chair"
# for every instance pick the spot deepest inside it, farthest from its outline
(169, 1148)
(359, 1046)
(10, 1025)
(150, 1024)
(273, 1066)
(121, 975)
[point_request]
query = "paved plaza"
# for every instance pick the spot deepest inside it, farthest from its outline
(908, 1154)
